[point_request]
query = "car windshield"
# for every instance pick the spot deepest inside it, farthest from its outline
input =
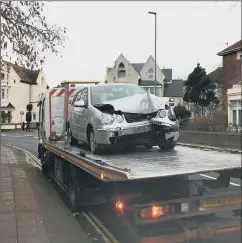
(102, 94)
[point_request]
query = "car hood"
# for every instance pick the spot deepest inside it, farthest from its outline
(145, 104)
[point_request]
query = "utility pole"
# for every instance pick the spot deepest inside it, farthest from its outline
(155, 14)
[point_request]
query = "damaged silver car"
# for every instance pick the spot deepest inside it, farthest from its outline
(115, 116)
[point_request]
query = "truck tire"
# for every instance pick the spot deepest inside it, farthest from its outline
(72, 189)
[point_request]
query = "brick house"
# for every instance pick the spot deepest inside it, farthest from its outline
(231, 72)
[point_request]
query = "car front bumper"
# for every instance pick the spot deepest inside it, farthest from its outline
(139, 133)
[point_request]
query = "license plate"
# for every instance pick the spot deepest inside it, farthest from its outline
(221, 201)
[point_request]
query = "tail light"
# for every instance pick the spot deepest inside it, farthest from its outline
(154, 212)
(120, 205)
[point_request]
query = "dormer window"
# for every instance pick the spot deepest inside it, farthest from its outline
(151, 74)
(121, 70)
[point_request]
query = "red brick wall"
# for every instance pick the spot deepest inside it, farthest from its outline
(231, 70)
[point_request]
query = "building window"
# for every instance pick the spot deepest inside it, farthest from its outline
(34, 116)
(239, 55)
(121, 70)
(2, 75)
(151, 90)
(3, 97)
(6, 93)
(236, 112)
(151, 74)
(42, 81)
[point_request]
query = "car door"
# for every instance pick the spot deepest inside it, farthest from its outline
(73, 114)
(82, 115)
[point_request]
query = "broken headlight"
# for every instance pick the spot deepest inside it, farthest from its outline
(162, 113)
(171, 114)
(107, 119)
(119, 118)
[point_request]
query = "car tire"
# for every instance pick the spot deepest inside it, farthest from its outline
(73, 140)
(92, 142)
(167, 145)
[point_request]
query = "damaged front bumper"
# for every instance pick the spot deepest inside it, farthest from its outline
(139, 133)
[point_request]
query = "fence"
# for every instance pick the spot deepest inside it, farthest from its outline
(216, 139)
(16, 126)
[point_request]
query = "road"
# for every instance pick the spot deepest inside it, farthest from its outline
(99, 226)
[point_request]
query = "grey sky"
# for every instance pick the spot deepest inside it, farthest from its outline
(99, 31)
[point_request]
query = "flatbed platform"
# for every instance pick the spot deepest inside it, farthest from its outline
(144, 163)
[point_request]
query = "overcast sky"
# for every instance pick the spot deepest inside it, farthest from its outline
(98, 32)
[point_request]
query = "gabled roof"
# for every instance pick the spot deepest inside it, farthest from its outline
(7, 105)
(168, 73)
(149, 83)
(137, 66)
(216, 75)
(233, 48)
(174, 89)
(26, 75)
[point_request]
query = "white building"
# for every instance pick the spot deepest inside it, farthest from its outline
(137, 73)
(19, 87)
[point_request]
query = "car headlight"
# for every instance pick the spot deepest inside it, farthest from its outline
(107, 119)
(162, 113)
(171, 114)
(119, 118)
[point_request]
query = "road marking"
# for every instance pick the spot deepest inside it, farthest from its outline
(104, 228)
(213, 178)
(106, 240)
(32, 156)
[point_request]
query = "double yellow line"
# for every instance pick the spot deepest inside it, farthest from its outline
(100, 228)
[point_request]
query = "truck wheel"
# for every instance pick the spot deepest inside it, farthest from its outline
(92, 142)
(167, 145)
(72, 192)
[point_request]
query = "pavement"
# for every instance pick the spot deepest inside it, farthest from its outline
(30, 208)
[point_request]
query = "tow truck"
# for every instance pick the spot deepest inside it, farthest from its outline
(144, 188)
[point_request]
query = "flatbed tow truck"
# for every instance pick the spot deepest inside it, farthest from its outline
(144, 188)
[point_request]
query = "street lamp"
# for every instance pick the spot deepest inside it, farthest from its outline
(155, 14)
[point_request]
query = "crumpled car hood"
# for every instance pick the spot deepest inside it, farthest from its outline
(144, 104)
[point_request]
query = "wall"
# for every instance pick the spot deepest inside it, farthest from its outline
(36, 91)
(231, 70)
(150, 64)
(18, 95)
(223, 140)
(131, 74)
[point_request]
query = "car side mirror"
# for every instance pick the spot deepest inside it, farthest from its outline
(80, 103)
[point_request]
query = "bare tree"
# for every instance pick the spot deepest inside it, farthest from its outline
(25, 34)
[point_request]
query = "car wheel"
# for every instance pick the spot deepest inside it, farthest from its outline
(167, 145)
(92, 142)
(73, 140)
(148, 146)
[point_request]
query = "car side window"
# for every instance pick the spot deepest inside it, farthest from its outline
(83, 94)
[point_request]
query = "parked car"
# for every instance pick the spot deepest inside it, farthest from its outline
(109, 116)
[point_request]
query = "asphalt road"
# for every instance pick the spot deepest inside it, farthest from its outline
(99, 226)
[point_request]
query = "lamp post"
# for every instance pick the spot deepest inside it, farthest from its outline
(155, 14)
